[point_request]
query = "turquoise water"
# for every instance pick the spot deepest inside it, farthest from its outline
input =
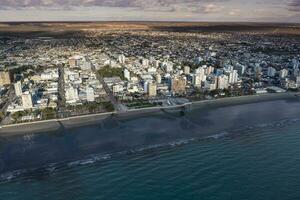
(251, 157)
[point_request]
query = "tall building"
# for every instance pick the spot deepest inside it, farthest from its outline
(18, 88)
(241, 69)
(297, 81)
(122, 59)
(257, 72)
(222, 82)
(209, 70)
(158, 78)
(4, 78)
(90, 94)
(198, 79)
(271, 71)
(152, 90)
(186, 70)
(233, 77)
(283, 73)
(178, 85)
(145, 86)
(200, 70)
(199, 76)
(27, 100)
(295, 63)
(127, 74)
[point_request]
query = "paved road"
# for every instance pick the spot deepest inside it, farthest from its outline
(61, 105)
(10, 97)
(117, 105)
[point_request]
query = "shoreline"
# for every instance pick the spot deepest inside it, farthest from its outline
(79, 121)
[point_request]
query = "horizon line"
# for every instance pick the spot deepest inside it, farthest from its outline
(144, 21)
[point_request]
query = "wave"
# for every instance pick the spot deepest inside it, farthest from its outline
(95, 158)
(91, 159)
(219, 135)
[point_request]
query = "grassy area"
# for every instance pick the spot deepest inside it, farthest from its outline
(92, 107)
(108, 71)
(46, 113)
(141, 104)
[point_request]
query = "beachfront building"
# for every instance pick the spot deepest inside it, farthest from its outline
(178, 85)
(233, 77)
(222, 82)
(152, 90)
(27, 100)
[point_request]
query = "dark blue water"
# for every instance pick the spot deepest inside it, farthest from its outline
(240, 152)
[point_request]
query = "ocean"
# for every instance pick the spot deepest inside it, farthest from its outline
(249, 151)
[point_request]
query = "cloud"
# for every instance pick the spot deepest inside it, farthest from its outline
(170, 5)
(294, 6)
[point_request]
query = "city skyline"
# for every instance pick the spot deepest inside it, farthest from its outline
(145, 10)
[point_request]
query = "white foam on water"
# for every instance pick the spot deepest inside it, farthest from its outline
(94, 158)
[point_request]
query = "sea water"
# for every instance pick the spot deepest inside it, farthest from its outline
(247, 151)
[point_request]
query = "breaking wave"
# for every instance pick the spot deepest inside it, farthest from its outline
(95, 158)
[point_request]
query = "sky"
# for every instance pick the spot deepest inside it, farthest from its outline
(151, 10)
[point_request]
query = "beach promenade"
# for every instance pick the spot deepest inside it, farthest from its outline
(77, 121)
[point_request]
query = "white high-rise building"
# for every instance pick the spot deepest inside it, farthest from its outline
(271, 71)
(199, 76)
(222, 82)
(283, 73)
(127, 74)
(27, 100)
(233, 77)
(200, 70)
(90, 94)
(145, 86)
(122, 59)
(18, 88)
(198, 79)
(158, 78)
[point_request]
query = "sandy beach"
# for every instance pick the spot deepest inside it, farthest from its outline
(78, 121)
